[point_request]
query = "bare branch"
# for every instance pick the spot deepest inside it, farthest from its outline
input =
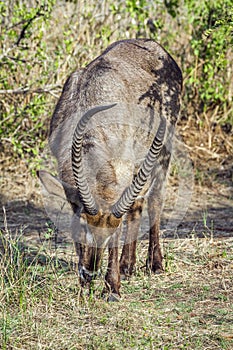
(27, 90)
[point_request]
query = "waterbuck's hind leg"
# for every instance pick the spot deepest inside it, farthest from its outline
(154, 260)
(128, 255)
(155, 204)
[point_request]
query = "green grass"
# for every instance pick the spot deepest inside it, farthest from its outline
(190, 306)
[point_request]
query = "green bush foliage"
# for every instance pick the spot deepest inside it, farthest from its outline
(211, 47)
(42, 42)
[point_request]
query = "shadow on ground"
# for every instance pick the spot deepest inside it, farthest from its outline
(209, 214)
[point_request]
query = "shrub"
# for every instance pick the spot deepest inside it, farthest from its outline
(43, 42)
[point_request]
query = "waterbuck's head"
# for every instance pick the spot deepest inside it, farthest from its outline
(94, 225)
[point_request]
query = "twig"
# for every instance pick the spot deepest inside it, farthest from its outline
(198, 148)
(23, 32)
(27, 90)
(5, 220)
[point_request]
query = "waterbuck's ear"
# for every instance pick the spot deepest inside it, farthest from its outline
(58, 188)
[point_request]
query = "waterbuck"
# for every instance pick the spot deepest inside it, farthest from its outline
(111, 133)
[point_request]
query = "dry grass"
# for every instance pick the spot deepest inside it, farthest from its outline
(190, 306)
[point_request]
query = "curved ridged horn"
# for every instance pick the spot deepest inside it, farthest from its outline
(80, 178)
(130, 194)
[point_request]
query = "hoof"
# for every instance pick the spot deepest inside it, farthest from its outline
(113, 297)
(155, 268)
(156, 271)
(110, 297)
(123, 277)
(127, 272)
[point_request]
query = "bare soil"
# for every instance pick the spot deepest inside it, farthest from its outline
(210, 212)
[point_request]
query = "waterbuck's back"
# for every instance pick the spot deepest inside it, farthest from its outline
(145, 82)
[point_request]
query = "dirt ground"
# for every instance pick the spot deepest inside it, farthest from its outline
(210, 212)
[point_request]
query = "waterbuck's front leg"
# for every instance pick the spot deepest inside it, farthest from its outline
(112, 277)
(128, 255)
